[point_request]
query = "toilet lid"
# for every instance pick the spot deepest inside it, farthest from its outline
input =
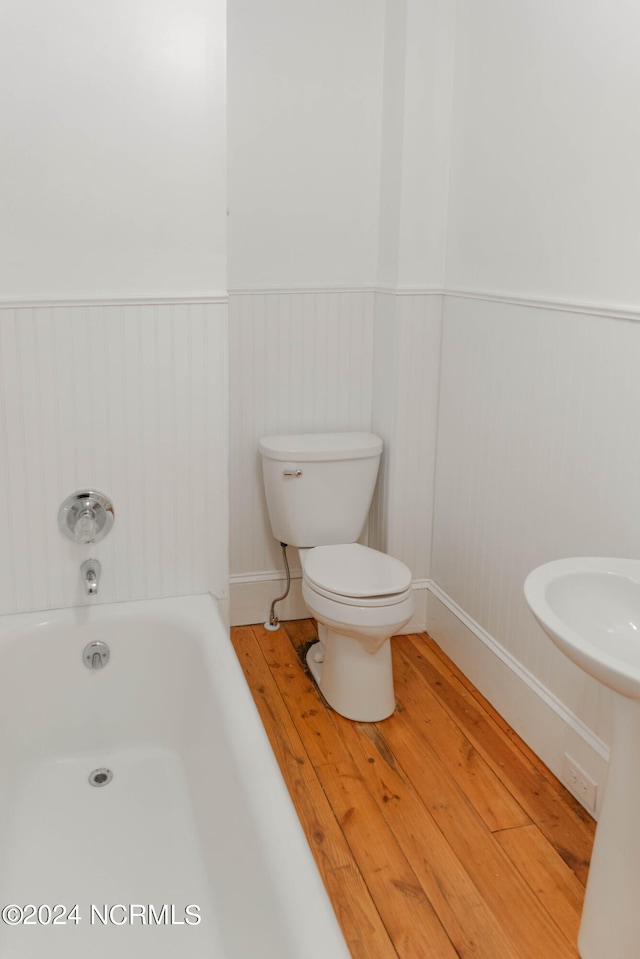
(354, 570)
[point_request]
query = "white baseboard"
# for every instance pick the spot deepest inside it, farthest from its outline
(251, 597)
(536, 714)
(418, 622)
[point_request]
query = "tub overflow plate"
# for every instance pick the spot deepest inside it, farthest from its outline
(96, 655)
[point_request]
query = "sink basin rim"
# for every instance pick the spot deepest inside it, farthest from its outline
(608, 668)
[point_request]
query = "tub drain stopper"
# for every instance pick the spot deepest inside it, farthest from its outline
(100, 777)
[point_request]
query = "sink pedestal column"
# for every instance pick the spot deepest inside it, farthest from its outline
(610, 926)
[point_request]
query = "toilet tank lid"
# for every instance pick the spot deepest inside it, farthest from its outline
(309, 447)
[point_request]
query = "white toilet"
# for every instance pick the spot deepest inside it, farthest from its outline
(319, 489)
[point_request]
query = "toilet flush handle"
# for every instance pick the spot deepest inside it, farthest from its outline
(292, 472)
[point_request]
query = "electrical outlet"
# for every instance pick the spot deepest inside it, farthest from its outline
(579, 782)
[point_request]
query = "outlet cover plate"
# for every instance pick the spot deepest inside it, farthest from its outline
(579, 782)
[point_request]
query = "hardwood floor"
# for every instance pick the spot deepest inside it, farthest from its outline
(437, 832)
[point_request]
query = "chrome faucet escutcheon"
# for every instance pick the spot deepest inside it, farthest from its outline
(86, 516)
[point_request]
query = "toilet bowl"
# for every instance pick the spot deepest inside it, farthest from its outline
(360, 597)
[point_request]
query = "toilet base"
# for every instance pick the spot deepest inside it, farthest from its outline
(357, 684)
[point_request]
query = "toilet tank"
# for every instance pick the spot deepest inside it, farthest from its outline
(319, 486)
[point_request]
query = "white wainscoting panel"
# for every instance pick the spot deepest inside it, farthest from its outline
(300, 362)
(384, 415)
(130, 400)
(405, 409)
(343, 360)
(538, 458)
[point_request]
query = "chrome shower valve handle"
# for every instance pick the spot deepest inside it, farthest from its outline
(86, 516)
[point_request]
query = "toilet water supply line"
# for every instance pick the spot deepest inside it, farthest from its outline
(273, 623)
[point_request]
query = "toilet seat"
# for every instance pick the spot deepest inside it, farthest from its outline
(357, 575)
(389, 599)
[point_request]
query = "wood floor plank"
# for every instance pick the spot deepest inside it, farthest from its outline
(300, 632)
(470, 924)
(555, 885)
(494, 875)
(426, 645)
(562, 820)
(303, 700)
(479, 782)
(361, 922)
(405, 909)
(409, 917)
(292, 758)
(404, 816)
(357, 914)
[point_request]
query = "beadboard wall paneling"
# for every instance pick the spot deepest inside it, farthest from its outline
(130, 400)
(537, 459)
(341, 360)
(384, 404)
(405, 406)
(300, 362)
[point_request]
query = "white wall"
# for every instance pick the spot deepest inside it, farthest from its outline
(305, 86)
(113, 337)
(537, 455)
(544, 198)
(113, 148)
(417, 92)
(339, 127)
(304, 142)
(338, 138)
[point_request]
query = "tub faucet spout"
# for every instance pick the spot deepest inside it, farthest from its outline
(90, 571)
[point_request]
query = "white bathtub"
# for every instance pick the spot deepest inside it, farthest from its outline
(196, 815)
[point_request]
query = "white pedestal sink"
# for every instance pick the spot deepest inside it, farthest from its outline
(590, 608)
